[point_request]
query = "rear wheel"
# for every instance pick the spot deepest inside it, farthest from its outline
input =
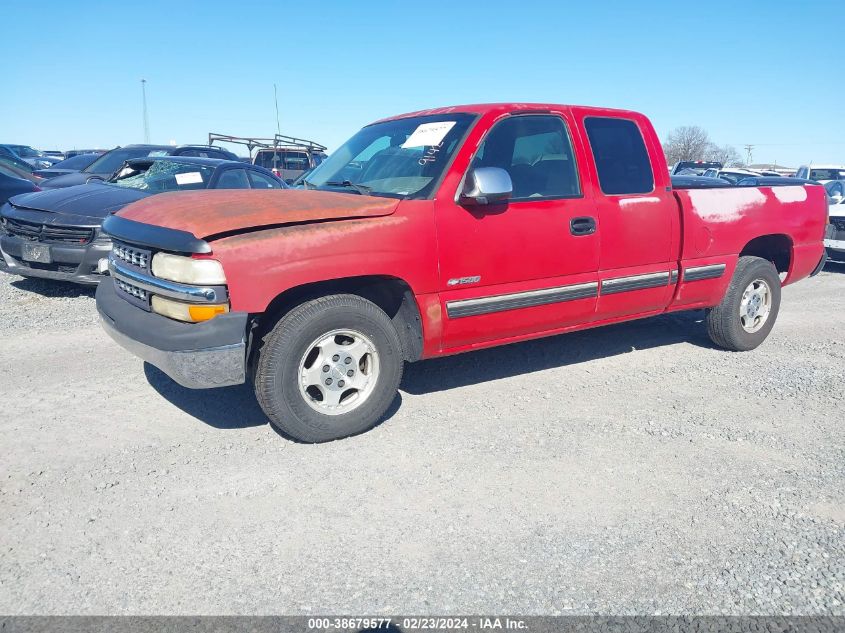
(749, 308)
(329, 369)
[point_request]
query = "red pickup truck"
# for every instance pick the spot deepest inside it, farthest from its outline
(439, 232)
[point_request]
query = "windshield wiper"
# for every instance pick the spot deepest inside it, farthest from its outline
(362, 189)
(308, 184)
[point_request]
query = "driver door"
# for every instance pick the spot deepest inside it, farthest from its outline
(528, 265)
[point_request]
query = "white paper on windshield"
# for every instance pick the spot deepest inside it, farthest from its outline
(429, 134)
(189, 178)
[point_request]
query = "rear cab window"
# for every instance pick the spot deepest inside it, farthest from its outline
(620, 156)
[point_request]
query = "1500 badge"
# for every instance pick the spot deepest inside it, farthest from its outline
(460, 281)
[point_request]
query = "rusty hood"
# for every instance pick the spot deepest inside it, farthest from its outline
(207, 214)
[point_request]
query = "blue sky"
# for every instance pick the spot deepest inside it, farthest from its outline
(761, 72)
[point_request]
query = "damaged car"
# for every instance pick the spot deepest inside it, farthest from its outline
(55, 234)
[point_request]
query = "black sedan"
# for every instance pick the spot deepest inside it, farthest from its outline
(56, 233)
(11, 184)
(68, 166)
(108, 163)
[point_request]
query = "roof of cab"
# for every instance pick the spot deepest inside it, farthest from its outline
(484, 108)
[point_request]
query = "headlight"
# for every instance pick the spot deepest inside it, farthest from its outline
(187, 270)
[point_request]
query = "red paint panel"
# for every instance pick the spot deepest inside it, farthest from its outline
(634, 301)
(470, 330)
(514, 247)
(723, 221)
(263, 264)
(704, 293)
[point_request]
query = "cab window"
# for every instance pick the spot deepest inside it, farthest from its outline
(622, 161)
(537, 153)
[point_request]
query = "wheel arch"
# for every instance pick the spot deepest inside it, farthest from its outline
(392, 294)
(775, 247)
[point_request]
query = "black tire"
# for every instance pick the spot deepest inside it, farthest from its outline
(723, 322)
(277, 370)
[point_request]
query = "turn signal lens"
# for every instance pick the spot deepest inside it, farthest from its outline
(206, 313)
(187, 312)
(188, 270)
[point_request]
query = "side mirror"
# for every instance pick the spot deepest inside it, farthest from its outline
(486, 185)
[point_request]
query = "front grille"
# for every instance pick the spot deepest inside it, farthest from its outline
(133, 291)
(131, 255)
(25, 230)
(50, 233)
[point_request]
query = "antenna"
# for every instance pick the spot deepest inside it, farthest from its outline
(749, 157)
(276, 99)
(144, 105)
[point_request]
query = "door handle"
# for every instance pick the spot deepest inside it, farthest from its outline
(582, 226)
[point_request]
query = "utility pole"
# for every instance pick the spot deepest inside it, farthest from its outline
(748, 155)
(276, 99)
(144, 104)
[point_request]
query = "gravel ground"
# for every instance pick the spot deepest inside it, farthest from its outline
(628, 470)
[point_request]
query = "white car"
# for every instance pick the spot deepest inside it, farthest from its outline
(732, 174)
(821, 173)
(835, 237)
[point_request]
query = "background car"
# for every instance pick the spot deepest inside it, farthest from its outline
(732, 174)
(37, 159)
(68, 166)
(821, 173)
(76, 152)
(21, 168)
(108, 163)
(12, 185)
(693, 167)
(835, 240)
(56, 233)
(774, 181)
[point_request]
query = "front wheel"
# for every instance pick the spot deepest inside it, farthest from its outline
(330, 368)
(749, 308)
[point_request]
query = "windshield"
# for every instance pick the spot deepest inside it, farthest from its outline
(163, 175)
(827, 174)
(403, 158)
(8, 170)
(16, 162)
(25, 151)
(109, 162)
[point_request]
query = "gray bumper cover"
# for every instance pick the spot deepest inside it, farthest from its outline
(197, 356)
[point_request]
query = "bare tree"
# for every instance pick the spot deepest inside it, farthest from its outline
(688, 142)
(726, 154)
